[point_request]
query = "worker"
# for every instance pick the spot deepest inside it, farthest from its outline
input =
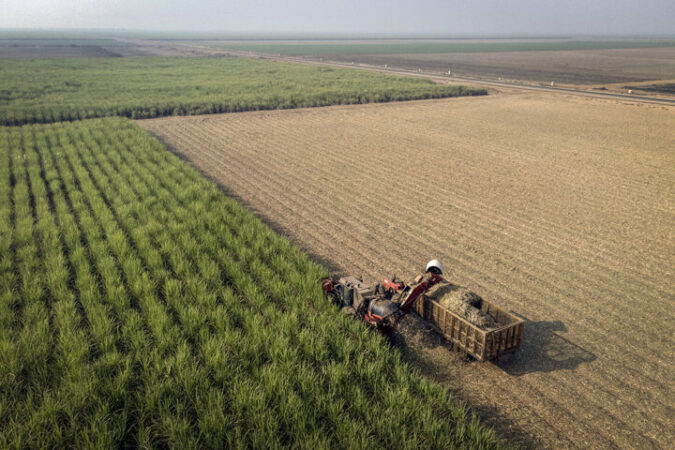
(423, 282)
(433, 267)
(433, 270)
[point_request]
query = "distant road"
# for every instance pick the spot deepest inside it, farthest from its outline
(165, 47)
(476, 81)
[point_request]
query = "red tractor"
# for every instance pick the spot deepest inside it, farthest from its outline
(384, 304)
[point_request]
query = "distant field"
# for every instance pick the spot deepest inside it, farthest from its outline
(27, 34)
(28, 45)
(25, 44)
(141, 308)
(52, 90)
(572, 62)
(59, 42)
(455, 46)
(60, 48)
(570, 67)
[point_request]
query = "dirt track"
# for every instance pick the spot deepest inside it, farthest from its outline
(560, 208)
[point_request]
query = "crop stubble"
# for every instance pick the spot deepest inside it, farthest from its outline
(557, 207)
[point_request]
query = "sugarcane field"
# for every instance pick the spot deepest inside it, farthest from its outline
(248, 226)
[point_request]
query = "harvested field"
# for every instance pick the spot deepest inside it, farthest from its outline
(560, 208)
(575, 67)
(662, 88)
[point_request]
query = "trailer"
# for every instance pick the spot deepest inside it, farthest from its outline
(384, 305)
(483, 345)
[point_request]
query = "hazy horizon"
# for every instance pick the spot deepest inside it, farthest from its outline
(348, 17)
(299, 35)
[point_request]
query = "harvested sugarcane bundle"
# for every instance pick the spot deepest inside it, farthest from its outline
(463, 302)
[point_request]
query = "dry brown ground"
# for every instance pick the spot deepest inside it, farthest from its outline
(560, 208)
(575, 67)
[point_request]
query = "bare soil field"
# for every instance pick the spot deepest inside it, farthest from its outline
(577, 67)
(665, 87)
(560, 208)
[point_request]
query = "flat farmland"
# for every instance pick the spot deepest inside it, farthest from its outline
(557, 207)
(573, 67)
(54, 90)
(567, 61)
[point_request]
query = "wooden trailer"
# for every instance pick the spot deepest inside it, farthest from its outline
(465, 337)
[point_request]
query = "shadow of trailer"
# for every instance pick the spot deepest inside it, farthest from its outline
(483, 345)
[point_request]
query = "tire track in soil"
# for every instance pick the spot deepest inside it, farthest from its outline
(620, 398)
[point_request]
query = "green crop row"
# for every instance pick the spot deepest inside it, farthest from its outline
(55, 90)
(139, 306)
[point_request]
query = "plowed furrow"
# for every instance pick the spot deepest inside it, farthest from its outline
(567, 244)
(365, 155)
(366, 160)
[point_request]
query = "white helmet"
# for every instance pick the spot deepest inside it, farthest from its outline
(435, 264)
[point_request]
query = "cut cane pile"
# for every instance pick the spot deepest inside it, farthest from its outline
(463, 302)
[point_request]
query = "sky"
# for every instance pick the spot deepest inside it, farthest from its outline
(536, 17)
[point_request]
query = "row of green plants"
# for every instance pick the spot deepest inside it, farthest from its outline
(139, 306)
(55, 90)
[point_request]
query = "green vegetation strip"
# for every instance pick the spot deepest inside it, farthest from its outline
(458, 46)
(140, 307)
(36, 42)
(54, 90)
